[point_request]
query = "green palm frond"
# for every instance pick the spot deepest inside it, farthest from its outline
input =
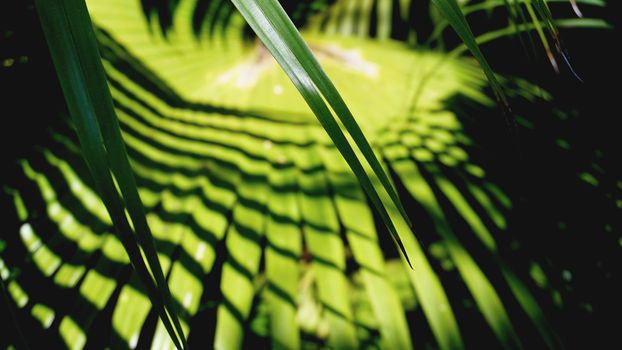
(263, 232)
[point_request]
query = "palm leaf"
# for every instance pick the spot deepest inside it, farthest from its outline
(68, 28)
(261, 228)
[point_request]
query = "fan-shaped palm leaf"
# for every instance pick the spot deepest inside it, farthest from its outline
(262, 230)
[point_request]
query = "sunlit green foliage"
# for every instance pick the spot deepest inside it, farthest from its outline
(258, 221)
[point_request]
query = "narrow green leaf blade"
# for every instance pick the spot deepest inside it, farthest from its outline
(80, 23)
(67, 27)
(451, 10)
(332, 96)
(271, 32)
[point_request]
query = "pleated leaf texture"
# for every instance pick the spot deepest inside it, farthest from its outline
(264, 234)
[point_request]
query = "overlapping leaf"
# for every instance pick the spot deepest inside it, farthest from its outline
(269, 186)
(73, 47)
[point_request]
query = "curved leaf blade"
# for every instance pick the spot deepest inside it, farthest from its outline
(72, 44)
(280, 36)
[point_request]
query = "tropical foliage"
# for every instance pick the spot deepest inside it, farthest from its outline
(267, 219)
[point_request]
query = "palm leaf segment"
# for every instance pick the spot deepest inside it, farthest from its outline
(263, 232)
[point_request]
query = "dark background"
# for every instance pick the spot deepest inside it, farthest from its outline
(562, 221)
(567, 223)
